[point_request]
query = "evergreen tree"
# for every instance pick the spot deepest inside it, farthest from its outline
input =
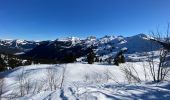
(122, 59)
(14, 63)
(28, 62)
(100, 60)
(2, 65)
(70, 58)
(91, 56)
(109, 60)
(97, 59)
(119, 58)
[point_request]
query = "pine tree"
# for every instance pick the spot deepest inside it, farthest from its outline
(97, 59)
(100, 60)
(119, 58)
(2, 65)
(70, 58)
(91, 56)
(109, 60)
(14, 63)
(122, 59)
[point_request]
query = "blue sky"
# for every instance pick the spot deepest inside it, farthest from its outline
(51, 19)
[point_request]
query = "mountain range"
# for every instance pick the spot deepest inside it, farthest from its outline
(58, 49)
(10, 46)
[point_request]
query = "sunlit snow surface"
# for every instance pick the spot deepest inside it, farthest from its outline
(84, 82)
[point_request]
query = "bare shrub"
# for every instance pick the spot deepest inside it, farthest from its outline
(1, 87)
(27, 86)
(96, 77)
(77, 90)
(24, 83)
(52, 77)
(160, 69)
(86, 77)
(63, 76)
(38, 86)
(131, 75)
(146, 74)
(55, 78)
(21, 80)
(107, 74)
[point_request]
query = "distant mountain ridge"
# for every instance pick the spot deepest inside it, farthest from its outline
(14, 46)
(106, 46)
(60, 48)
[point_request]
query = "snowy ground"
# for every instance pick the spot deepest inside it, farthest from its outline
(81, 82)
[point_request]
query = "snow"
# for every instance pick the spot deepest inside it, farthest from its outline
(85, 82)
(17, 41)
(19, 53)
(99, 81)
(108, 46)
(124, 48)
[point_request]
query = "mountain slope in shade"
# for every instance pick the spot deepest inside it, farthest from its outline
(57, 50)
(107, 45)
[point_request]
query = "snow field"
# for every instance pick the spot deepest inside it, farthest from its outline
(82, 82)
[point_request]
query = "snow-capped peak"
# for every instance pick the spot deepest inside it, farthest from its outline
(74, 40)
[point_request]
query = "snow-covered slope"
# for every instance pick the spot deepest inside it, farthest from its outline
(137, 43)
(105, 47)
(80, 82)
(73, 40)
(13, 46)
(16, 43)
